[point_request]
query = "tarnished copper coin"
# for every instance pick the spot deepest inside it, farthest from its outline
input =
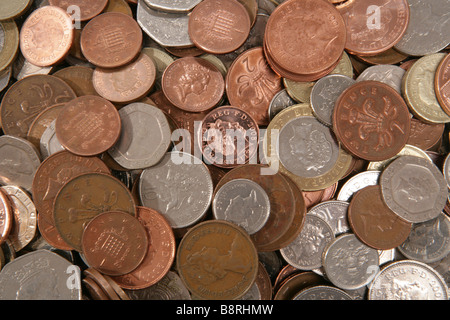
(111, 40)
(217, 260)
(193, 84)
(251, 84)
(219, 26)
(425, 135)
(87, 9)
(442, 84)
(27, 98)
(50, 234)
(114, 243)
(229, 137)
(46, 36)
(371, 120)
(88, 126)
(374, 26)
(374, 223)
(79, 78)
(160, 255)
(83, 198)
(127, 83)
(305, 36)
(6, 217)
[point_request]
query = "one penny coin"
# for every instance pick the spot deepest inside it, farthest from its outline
(251, 84)
(442, 84)
(115, 243)
(217, 260)
(46, 36)
(193, 84)
(88, 126)
(219, 26)
(111, 40)
(87, 9)
(374, 223)
(372, 120)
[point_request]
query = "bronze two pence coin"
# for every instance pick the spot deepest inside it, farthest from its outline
(371, 120)
(88, 126)
(374, 223)
(114, 243)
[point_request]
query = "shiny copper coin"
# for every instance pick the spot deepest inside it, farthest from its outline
(371, 120)
(94, 290)
(102, 282)
(46, 36)
(217, 260)
(229, 137)
(160, 254)
(318, 45)
(442, 84)
(88, 126)
(251, 84)
(27, 98)
(50, 234)
(88, 9)
(111, 40)
(6, 217)
(374, 223)
(425, 135)
(114, 243)
(84, 197)
(53, 173)
(297, 282)
(127, 83)
(374, 26)
(193, 84)
(219, 26)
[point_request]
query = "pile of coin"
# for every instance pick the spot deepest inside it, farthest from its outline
(224, 150)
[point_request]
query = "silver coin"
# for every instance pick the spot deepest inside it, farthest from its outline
(443, 268)
(408, 150)
(307, 148)
(144, 139)
(244, 203)
(25, 217)
(322, 293)
(388, 74)
(165, 28)
(334, 212)
(5, 77)
(356, 183)
(19, 160)
(173, 5)
(324, 94)
(179, 187)
(266, 7)
(252, 294)
(427, 32)
(428, 241)
(414, 188)
(280, 101)
(49, 143)
(446, 169)
(40, 275)
(170, 287)
(349, 263)
(22, 68)
(408, 280)
(305, 252)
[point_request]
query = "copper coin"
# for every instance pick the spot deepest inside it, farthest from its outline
(6, 217)
(251, 84)
(114, 243)
(88, 126)
(27, 98)
(88, 9)
(83, 198)
(297, 282)
(425, 135)
(318, 45)
(313, 197)
(229, 137)
(219, 26)
(94, 290)
(372, 120)
(53, 173)
(41, 123)
(79, 78)
(127, 83)
(193, 84)
(374, 223)
(442, 84)
(217, 260)
(46, 36)
(160, 255)
(374, 26)
(111, 40)
(50, 234)
(185, 52)
(101, 282)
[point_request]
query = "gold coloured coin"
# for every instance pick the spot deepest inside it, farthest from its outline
(9, 47)
(10, 9)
